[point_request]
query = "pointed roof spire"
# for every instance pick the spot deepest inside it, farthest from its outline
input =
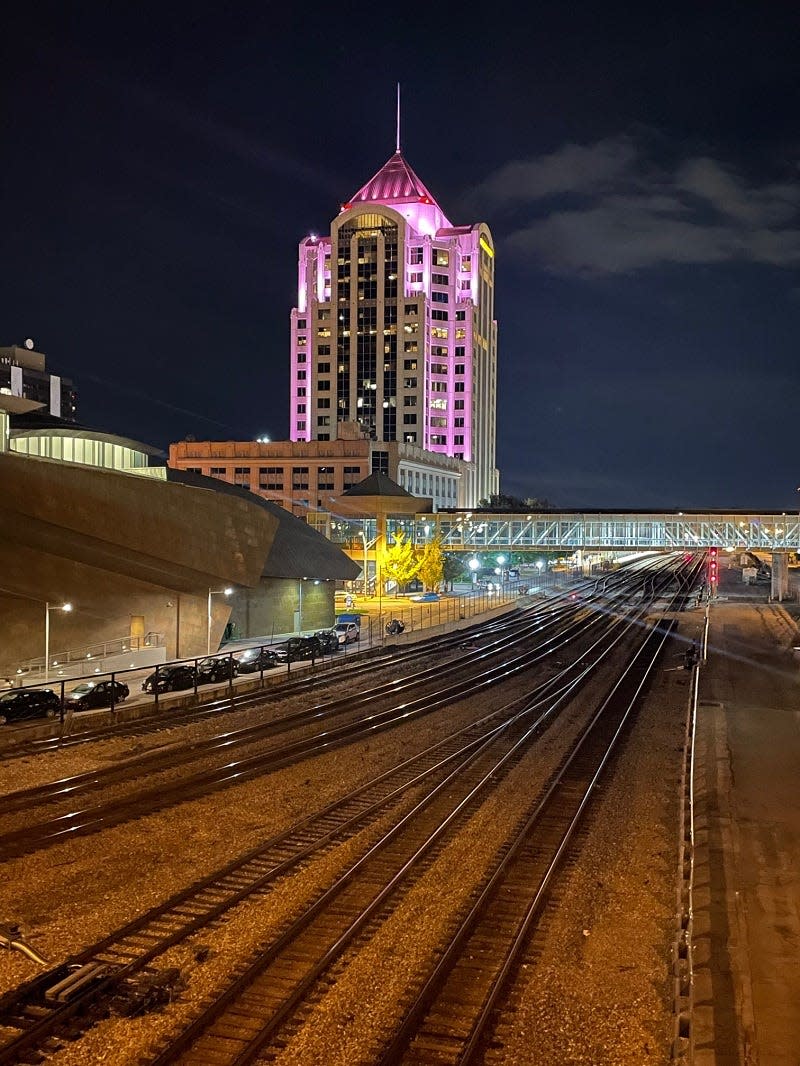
(396, 183)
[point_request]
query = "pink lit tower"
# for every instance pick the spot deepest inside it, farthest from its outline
(394, 328)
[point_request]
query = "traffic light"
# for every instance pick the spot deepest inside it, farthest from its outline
(713, 567)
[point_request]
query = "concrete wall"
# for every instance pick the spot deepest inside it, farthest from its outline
(116, 546)
(275, 607)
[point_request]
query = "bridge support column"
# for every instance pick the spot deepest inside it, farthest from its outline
(779, 589)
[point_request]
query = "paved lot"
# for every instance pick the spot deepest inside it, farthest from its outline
(747, 902)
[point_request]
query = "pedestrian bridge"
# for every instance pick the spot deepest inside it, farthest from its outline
(571, 531)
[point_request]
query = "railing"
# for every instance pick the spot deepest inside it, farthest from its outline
(682, 1051)
(477, 531)
(450, 609)
(89, 652)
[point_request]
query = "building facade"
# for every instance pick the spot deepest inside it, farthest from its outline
(305, 476)
(394, 330)
(23, 374)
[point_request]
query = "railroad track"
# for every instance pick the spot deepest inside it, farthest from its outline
(38, 1012)
(270, 999)
(228, 771)
(590, 592)
(54, 999)
(279, 689)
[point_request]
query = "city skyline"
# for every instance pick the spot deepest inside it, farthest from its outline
(638, 170)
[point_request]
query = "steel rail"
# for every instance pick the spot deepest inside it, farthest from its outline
(43, 834)
(123, 951)
(265, 1033)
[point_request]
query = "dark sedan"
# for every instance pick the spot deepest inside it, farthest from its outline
(253, 659)
(170, 678)
(298, 648)
(28, 703)
(96, 694)
(328, 641)
(221, 668)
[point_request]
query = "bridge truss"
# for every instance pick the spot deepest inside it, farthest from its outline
(471, 532)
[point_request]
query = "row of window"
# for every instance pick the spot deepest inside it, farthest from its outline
(274, 478)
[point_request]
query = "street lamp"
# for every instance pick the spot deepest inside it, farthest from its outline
(47, 609)
(364, 575)
(473, 565)
(214, 592)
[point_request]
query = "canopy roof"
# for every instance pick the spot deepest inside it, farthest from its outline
(377, 494)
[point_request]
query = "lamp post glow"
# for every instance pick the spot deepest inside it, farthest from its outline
(214, 592)
(473, 565)
(67, 607)
(364, 538)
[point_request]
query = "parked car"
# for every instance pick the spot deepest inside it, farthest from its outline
(298, 648)
(328, 641)
(28, 703)
(96, 694)
(348, 632)
(253, 659)
(220, 668)
(170, 678)
(426, 597)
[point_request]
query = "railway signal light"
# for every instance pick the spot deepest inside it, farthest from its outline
(713, 567)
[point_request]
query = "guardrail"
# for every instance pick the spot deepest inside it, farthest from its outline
(66, 707)
(102, 650)
(682, 1051)
(373, 633)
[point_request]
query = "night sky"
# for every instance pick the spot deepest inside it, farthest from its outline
(638, 167)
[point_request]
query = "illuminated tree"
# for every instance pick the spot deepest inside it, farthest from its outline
(431, 565)
(399, 562)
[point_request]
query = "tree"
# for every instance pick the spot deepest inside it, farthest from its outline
(502, 502)
(431, 565)
(453, 568)
(399, 562)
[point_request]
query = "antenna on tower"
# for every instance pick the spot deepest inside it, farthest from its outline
(398, 118)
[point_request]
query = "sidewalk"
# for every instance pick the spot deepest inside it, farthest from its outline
(747, 876)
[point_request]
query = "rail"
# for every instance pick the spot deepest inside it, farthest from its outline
(89, 652)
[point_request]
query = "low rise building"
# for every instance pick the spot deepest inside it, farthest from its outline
(305, 476)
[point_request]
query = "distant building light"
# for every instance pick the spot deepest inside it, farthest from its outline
(263, 440)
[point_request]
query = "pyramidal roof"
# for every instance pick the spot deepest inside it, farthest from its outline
(395, 182)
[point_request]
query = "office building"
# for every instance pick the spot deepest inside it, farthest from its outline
(23, 374)
(394, 329)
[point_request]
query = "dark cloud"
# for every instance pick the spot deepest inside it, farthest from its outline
(607, 209)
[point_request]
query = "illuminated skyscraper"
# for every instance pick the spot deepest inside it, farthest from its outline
(394, 328)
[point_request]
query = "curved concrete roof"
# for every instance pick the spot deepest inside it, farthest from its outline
(297, 550)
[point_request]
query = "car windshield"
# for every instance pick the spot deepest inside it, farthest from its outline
(81, 689)
(8, 696)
